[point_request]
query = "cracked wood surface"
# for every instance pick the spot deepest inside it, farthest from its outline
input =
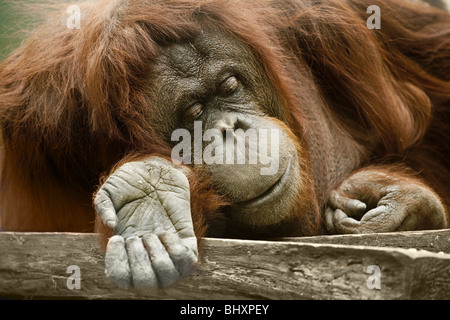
(34, 265)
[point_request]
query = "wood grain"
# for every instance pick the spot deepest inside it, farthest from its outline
(433, 240)
(34, 265)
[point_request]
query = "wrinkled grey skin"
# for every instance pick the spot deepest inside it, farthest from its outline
(147, 203)
(371, 201)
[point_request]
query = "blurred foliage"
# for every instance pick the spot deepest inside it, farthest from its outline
(14, 25)
(9, 38)
(17, 19)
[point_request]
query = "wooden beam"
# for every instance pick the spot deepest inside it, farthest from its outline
(433, 240)
(35, 265)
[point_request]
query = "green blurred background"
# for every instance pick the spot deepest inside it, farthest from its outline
(8, 23)
(16, 21)
(20, 17)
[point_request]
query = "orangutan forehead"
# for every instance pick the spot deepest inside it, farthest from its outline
(192, 69)
(207, 50)
(184, 59)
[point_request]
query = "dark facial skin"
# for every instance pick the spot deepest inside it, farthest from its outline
(218, 81)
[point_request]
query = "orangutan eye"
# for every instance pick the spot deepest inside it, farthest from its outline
(228, 86)
(193, 112)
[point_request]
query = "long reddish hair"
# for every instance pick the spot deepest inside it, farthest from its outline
(73, 102)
